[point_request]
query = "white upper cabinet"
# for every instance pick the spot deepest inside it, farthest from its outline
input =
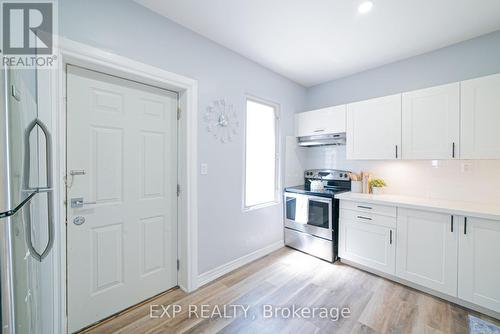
(430, 123)
(480, 121)
(374, 129)
(322, 121)
(426, 250)
(478, 266)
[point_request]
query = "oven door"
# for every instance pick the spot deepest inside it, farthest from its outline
(309, 214)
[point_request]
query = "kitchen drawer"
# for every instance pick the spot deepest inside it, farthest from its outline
(367, 218)
(307, 243)
(369, 208)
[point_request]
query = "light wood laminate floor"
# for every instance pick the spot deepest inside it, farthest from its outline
(288, 277)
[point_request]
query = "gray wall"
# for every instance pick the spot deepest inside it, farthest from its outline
(128, 29)
(473, 58)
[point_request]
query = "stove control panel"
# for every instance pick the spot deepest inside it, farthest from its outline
(327, 174)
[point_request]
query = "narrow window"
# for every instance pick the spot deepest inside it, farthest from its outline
(261, 155)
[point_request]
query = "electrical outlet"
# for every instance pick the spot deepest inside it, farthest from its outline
(467, 167)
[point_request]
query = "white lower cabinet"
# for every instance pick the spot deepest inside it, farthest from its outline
(368, 244)
(457, 256)
(427, 249)
(479, 263)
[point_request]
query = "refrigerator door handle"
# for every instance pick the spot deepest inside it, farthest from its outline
(48, 189)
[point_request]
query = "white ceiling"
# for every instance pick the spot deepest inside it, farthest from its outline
(313, 41)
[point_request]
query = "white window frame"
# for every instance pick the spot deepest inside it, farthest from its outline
(277, 174)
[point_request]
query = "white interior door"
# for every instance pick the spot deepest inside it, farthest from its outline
(122, 136)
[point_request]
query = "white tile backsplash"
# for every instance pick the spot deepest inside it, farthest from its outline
(463, 180)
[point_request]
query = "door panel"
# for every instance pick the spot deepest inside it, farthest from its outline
(427, 250)
(106, 164)
(478, 269)
(123, 135)
(108, 257)
(430, 121)
(153, 164)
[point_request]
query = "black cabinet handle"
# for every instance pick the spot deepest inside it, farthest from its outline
(364, 207)
(465, 225)
(451, 224)
(390, 237)
(396, 151)
(361, 217)
(453, 150)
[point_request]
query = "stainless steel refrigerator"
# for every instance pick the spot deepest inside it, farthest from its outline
(26, 206)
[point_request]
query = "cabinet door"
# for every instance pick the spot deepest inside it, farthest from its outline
(321, 121)
(374, 128)
(479, 266)
(431, 123)
(480, 118)
(368, 244)
(427, 249)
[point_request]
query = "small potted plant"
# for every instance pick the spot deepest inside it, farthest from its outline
(377, 186)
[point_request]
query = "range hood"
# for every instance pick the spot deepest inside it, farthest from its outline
(322, 140)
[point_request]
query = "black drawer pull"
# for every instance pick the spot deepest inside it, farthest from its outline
(367, 218)
(364, 207)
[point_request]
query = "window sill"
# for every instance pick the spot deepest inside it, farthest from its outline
(260, 206)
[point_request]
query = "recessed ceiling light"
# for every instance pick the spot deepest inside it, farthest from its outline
(365, 7)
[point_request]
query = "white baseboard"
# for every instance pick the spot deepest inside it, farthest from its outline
(215, 273)
(429, 291)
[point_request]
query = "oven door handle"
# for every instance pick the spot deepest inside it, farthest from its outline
(319, 199)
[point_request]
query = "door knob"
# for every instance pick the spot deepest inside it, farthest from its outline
(78, 202)
(79, 220)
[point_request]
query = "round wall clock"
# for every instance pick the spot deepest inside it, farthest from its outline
(222, 121)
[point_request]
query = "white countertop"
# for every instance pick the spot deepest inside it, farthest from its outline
(458, 208)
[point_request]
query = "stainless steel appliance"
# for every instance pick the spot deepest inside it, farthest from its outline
(311, 216)
(322, 140)
(26, 206)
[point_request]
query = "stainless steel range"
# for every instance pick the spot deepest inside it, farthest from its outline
(312, 213)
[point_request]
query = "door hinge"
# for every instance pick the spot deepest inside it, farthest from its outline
(178, 264)
(178, 113)
(178, 190)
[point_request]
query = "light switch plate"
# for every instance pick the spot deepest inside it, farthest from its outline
(467, 166)
(204, 169)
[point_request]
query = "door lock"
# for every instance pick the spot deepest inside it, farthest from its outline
(79, 220)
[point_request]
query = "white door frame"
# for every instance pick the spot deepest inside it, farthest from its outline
(79, 54)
